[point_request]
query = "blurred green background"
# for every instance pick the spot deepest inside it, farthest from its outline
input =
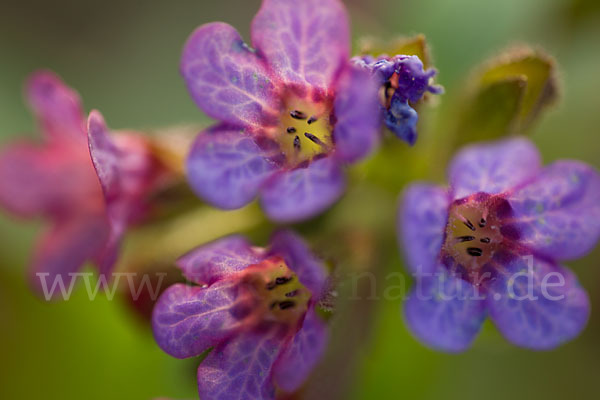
(122, 56)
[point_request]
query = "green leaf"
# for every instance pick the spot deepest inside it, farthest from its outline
(507, 96)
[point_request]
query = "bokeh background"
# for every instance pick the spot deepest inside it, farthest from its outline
(122, 56)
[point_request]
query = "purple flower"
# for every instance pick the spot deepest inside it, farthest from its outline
(56, 180)
(255, 307)
(492, 244)
(293, 110)
(403, 81)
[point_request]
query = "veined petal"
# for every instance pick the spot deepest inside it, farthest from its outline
(187, 320)
(422, 219)
(226, 78)
(303, 192)
(57, 107)
(216, 260)
(226, 167)
(536, 304)
(310, 270)
(303, 41)
(302, 354)
(358, 115)
(493, 167)
(63, 250)
(558, 213)
(240, 369)
(444, 311)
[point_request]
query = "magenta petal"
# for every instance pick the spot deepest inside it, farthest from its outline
(302, 354)
(303, 192)
(63, 250)
(493, 167)
(217, 260)
(558, 213)
(310, 270)
(187, 320)
(226, 167)
(57, 107)
(444, 311)
(358, 115)
(226, 79)
(529, 316)
(422, 219)
(26, 187)
(240, 369)
(304, 41)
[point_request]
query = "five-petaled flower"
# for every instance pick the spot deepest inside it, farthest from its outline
(255, 306)
(492, 243)
(57, 181)
(403, 82)
(293, 110)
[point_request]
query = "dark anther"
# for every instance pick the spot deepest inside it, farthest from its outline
(286, 304)
(298, 114)
(311, 120)
(271, 285)
(291, 129)
(297, 143)
(482, 222)
(291, 294)
(465, 238)
(313, 138)
(469, 225)
(282, 279)
(475, 251)
(273, 304)
(485, 240)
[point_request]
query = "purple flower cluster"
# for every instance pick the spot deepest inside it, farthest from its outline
(492, 244)
(403, 81)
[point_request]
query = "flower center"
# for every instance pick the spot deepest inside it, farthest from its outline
(305, 130)
(278, 295)
(473, 233)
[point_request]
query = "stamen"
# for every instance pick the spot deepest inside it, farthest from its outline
(475, 251)
(284, 305)
(485, 240)
(291, 129)
(482, 223)
(314, 139)
(291, 294)
(281, 280)
(465, 238)
(298, 114)
(311, 120)
(297, 143)
(469, 224)
(271, 285)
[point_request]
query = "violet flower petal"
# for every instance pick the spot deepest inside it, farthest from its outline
(358, 114)
(187, 320)
(547, 318)
(494, 167)
(304, 192)
(422, 219)
(217, 260)
(240, 369)
(227, 79)
(226, 167)
(558, 213)
(299, 358)
(444, 311)
(304, 42)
